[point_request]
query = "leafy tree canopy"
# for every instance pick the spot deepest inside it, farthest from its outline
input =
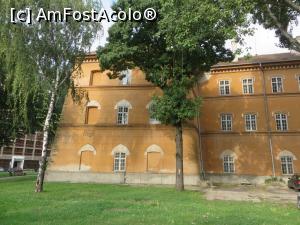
(173, 51)
(281, 15)
(31, 57)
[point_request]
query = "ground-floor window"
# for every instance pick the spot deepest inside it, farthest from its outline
(287, 165)
(120, 161)
(228, 163)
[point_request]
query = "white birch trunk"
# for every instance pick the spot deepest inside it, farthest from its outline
(43, 163)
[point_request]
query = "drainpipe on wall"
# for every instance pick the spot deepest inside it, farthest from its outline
(267, 114)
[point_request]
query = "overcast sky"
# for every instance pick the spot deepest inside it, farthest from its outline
(262, 42)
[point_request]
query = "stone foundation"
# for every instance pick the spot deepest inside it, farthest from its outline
(119, 178)
(153, 178)
(239, 179)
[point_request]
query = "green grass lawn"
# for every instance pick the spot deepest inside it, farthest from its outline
(64, 203)
(4, 174)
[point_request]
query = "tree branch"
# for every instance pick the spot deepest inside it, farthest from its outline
(67, 75)
(294, 5)
(283, 31)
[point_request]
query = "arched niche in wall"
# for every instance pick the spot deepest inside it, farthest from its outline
(92, 115)
(86, 154)
(154, 154)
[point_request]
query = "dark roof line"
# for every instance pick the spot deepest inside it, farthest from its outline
(261, 59)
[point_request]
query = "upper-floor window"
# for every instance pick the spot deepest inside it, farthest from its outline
(277, 85)
(224, 87)
(226, 122)
(228, 164)
(122, 108)
(126, 77)
(122, 115)
(248, 86)
(250, 122)
(151, 109)
(287, 165)
(120, 161)
(281, 121)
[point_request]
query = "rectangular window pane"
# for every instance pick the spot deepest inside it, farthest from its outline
(122, 115)
(126, 80)
(248, 86)
(250, 122)
(281, 121)
(224, 87)
(276, 84)
(120, 161)
(287, 165)
(226, 122)
(228, 164)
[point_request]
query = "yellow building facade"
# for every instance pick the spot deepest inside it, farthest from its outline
(111, 138)
(248, 129)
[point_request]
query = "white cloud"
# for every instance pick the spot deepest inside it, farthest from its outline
(264, 41)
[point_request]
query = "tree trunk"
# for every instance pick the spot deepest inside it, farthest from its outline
(43, 163)
(179, 158)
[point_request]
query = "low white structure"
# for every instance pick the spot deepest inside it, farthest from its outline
(17, 162)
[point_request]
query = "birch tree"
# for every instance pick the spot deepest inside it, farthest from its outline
(52, 53)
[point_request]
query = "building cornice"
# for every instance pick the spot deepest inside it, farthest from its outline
(121, 87)
(255, 96)
(255, 67)
(123, 127)
(91, 58)
(252, 133)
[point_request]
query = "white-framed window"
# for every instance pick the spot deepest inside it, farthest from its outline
(228, 164)
(120, 161)
(281, 121)
(226, 122)
(287, 165)
(248, 86)
(126, 80)
(277, 84)
(224, 87)
(122, 115)
(152, 119)
(250, 122)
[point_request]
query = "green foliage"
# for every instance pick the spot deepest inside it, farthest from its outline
(35, 55)
(281, 15)
(187, 38)
(173, 106)
(273, 180)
